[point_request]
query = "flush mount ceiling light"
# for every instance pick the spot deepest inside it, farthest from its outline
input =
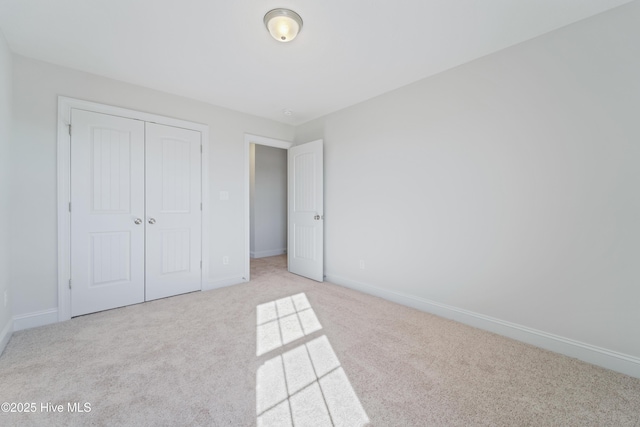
(283, 24)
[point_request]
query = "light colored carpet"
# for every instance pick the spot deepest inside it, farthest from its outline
(284, 349)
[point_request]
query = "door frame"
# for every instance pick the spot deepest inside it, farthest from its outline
(248, 140)
(65, 104)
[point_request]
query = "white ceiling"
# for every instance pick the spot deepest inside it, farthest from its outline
(219, 51)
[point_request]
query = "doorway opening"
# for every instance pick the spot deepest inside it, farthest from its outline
(305, 206)
(266, 203)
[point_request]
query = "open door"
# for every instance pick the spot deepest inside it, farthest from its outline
(306, 210)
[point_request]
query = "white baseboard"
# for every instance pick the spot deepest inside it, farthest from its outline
(271, 252)
(603, 357)
(33, 320)
(223, 283)
(5, 335)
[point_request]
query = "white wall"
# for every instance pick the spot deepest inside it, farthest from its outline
(33, 158)
(269, 201)
(6, 75)
(508, 187)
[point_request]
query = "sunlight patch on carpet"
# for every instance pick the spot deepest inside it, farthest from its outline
(283, 321)
(307, 384)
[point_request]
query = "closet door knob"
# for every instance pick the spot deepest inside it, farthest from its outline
(137, 221)
(152, 221)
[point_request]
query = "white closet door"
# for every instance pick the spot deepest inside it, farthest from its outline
(173, 217)
(306, 210)
(107, 212)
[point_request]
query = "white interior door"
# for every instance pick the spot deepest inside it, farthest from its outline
(306, 210)
(173, 215)
(107, 212)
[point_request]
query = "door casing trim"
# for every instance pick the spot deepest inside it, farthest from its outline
(65, 105)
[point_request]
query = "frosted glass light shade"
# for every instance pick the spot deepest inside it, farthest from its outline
(283, 24)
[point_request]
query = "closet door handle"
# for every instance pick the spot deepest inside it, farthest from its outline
(152, 221)
(137, 221)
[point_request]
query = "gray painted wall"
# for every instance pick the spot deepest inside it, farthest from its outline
(268, 201)
(6, 75)
(33, 168)
(508, 187)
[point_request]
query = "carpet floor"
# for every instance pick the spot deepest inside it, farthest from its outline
(284, 350)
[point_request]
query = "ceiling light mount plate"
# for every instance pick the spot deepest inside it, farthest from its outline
(283, 24)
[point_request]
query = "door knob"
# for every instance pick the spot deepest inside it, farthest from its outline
(137, 221)
(152, 221)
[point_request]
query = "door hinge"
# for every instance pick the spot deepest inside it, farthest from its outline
(200, 205)
(200, 264)
(69, 283)
(200, 148)
(69, 130)
(69, 206)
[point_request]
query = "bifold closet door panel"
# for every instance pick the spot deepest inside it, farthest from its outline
(173, 211)
(107, 212)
